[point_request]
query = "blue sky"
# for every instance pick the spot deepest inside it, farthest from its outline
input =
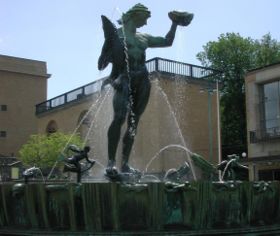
(68, 35)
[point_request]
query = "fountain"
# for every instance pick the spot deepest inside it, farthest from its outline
(131, 201)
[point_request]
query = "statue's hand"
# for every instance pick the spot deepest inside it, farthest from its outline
(180, 18)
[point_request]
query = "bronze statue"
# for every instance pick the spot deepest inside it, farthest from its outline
(125, 49)
(230, 166)
(72, 163)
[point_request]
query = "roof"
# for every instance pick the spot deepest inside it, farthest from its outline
(23, 65)
(264, 67)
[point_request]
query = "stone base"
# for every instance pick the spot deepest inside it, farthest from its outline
(142, 208)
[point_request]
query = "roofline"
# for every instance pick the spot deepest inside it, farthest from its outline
(47, 76)
(263, 67)
(22, 58)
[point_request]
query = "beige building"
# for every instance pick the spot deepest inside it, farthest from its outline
(263, 122)
(181, 117)
(23, 83)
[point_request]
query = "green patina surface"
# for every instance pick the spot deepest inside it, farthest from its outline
(101, 207)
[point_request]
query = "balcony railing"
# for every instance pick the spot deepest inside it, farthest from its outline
(264, 135)
(179, 68)
(69, 97)
(153, 65)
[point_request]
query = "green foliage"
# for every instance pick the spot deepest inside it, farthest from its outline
(235, 55)
(268, 51)
(43, 150)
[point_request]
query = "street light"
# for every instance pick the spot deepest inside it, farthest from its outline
(209, 91)
(218, 122)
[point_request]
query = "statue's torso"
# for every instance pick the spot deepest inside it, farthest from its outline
(136, 49)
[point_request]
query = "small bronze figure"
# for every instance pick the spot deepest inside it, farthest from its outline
(230, 166)
(72, 164)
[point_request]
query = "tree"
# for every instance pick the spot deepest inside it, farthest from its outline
(235, 55)
(44, 150)
(268, 51)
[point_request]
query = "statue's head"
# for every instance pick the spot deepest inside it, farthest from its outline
(86, 149)
(138, 13)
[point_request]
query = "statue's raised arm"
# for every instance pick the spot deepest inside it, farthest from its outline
(177, 18)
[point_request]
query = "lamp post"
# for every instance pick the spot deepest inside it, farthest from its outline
(210, 89)
(210, 92)
(218, 122)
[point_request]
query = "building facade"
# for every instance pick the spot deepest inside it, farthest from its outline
(23, 84)
(181, 117)
(263, 122)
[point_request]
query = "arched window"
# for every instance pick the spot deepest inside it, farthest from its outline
(51, 127)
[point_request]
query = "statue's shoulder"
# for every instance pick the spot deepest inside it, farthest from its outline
(143, 36)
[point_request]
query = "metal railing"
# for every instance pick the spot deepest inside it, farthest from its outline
(158, 64)
(153, 65)
(264, 135)
(69, 97)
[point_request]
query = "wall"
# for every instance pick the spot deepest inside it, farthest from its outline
(23, 84)
(253, 82)
(262, 149)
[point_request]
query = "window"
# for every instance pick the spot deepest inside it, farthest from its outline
(268, 175)
(3, 134)
(3, 107)
(271, 108)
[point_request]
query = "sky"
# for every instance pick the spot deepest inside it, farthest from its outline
(68, 35)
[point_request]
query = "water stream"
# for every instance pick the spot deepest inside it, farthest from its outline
(90, 110)
(179, 132)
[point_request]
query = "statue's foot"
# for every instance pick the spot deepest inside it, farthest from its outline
(111, 170)
(127, 169)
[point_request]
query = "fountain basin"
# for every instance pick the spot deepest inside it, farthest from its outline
(145, 207)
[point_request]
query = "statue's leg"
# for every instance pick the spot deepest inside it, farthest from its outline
(70, 164)
(140, 101)
(120, 102)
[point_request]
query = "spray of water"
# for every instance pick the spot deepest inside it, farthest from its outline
(76, 129)
(168, 172)
(96, 115)
(223, 174)
(188, 152)
(132, 128)
(148, 178)
(177, 128)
